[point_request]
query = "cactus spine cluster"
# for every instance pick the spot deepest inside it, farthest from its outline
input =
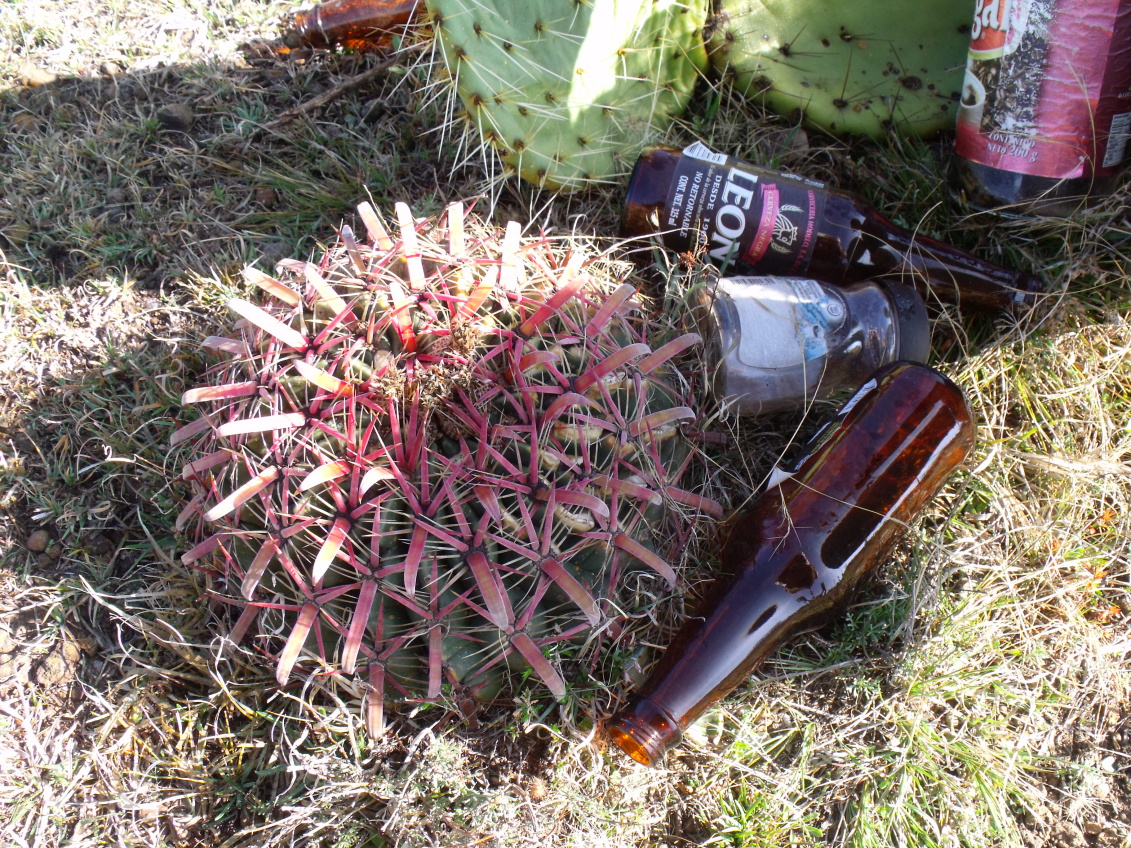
(430, 459)
(570, 92)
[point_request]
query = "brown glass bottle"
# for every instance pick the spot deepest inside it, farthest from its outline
(751, 220)
(361, 25)
(798, 552)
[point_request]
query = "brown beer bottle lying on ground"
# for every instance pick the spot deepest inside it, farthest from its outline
(795, 556)
(750, 220)
(361, 25)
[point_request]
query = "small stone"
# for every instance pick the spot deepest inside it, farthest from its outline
(44, 561)
(66, 113)
(266, 197)
(1108, 764)
(54, 551)
(177, 117)
(1065, 835)
(96, 544)
(109, 69)
(52, 670)
(38, 541)
(14, 232)
(24, 122)
(1093, 828)
(34, 77)
(373, 109)
(275, 252)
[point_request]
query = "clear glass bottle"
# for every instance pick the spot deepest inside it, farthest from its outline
(751, 220)
(779, 343)
(795, 556)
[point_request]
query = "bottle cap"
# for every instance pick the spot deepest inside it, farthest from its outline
(911, 319)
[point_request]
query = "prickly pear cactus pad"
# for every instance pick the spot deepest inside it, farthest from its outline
(849, 68)
(431, 459)
(570, 92)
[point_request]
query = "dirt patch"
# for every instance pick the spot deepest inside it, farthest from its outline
(30, 656)
(1089, 797)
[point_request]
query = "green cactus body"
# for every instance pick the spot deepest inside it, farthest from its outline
(849, 68)
(431, 461)
(570, 92)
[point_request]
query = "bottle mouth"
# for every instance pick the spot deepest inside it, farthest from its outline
(644, 731)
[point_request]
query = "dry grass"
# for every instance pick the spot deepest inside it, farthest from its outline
(977, 694)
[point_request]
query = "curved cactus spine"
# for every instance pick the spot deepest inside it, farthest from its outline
(432, 478)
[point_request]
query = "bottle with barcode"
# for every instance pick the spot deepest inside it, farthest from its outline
(1045, 113)
(749, 220)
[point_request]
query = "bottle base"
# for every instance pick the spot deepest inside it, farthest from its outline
(1026, 195)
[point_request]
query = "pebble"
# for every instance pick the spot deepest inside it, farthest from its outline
(33, 76)
(373, 109)
(96, 544)
(23, 122)
(38, 541)
(66, 113)
(177, 117)
(275, 252)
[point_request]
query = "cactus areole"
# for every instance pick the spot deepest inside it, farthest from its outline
(438, 456)
(849, 68)
(569, 93)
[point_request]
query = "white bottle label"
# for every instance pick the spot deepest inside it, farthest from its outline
(698, 150)
(783, 322)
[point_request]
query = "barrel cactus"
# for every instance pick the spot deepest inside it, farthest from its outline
(848, 68)
(569, 93)
(428, 460)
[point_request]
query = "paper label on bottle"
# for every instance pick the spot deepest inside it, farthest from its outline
(702, 152)
(1047, 87)
(783, 321)
(741, 217)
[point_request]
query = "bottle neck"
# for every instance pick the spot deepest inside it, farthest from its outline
(644, 731)
(940, 269)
